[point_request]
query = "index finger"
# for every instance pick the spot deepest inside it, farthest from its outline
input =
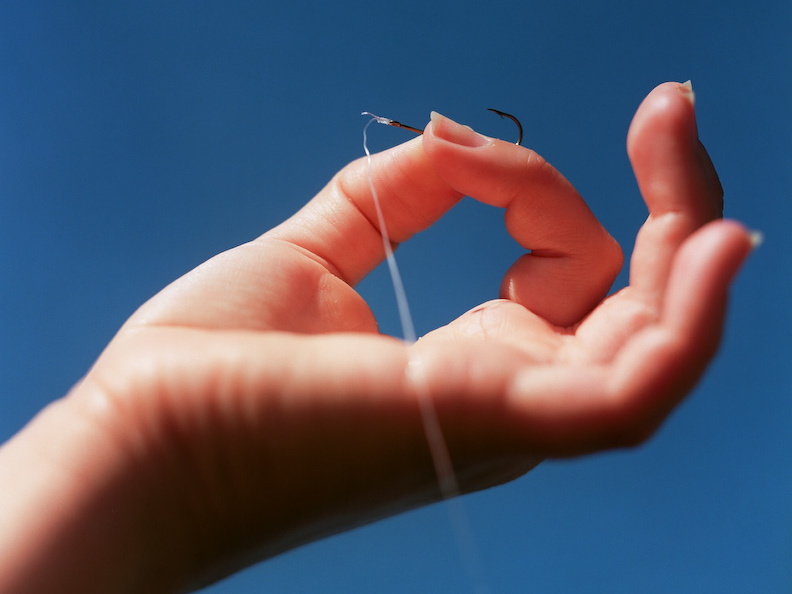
(572, 259)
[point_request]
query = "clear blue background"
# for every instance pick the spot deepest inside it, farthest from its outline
(139, 138)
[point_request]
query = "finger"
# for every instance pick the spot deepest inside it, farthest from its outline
(594, 407)
(663, 363)
(676, 178)
(573, 260)
(682, 191)
(340, 226)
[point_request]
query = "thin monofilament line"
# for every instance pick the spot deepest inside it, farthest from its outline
(408, 327)
(437, 446)
(438, 449)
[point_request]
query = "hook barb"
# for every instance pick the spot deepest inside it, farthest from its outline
(503, 114)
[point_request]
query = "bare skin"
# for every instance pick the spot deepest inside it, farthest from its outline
(252, 406)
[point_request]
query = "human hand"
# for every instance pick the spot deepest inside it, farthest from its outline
(252, 406)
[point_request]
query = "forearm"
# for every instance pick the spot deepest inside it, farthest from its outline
(113, 492)
(68, 519)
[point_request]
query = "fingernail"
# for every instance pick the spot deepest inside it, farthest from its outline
(687, 88)
(449, 130)
(756, 237)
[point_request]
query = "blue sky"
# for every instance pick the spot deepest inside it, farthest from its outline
(138, 139)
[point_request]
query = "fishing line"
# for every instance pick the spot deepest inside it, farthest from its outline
(438, 449)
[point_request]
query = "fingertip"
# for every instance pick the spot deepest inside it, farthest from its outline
(672, 167)
(669, 104)
(729, 236)
(479, 166)
(462, 156)
(448, 130)
(703, 270)
(724, 243)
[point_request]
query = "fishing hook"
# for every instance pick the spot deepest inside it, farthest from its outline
(390, 122)
(503, 114)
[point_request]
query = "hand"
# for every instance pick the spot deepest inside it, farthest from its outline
(252, 406)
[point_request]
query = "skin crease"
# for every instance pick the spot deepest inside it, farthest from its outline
(252, 407)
